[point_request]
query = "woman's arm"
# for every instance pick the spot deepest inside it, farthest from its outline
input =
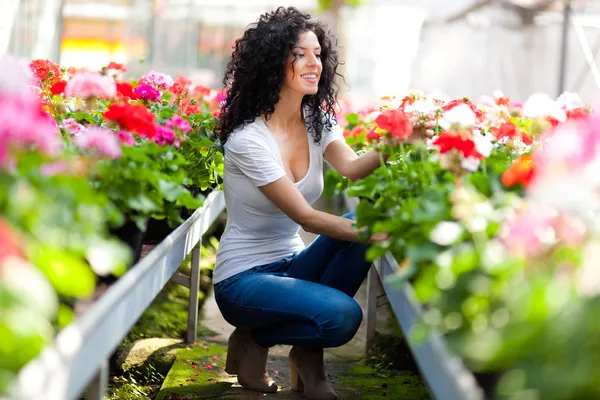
(284, 194)
(345, 161)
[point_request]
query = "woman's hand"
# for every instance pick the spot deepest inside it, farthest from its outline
(421, 129)
(379, 237)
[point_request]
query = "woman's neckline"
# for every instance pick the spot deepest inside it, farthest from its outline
(271, 137)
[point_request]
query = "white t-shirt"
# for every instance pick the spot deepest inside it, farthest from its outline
(257, 231)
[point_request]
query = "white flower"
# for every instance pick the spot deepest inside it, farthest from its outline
(461, 115)
(470, 163)
(568, 101)
(540, 105)
(483, 144)
(446, 233)
(421, 106)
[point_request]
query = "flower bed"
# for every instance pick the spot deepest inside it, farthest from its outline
(87, 160)
(491, 212)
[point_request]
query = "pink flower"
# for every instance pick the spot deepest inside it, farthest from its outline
(164, 135)
(102, 139)
(126, 138)
(147, 92)
(57, 167)
(157, 79)
(178, 122)
(72, 126)
(16, 75)
(24, 126)
(91, 84)
(529, 234)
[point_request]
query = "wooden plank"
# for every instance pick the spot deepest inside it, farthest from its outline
(372, 280)
(181, 279)
(194, 287)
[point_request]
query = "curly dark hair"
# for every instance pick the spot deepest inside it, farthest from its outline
(256, 72)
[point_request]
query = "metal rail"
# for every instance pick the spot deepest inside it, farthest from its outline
(78, 358)
(445, 373)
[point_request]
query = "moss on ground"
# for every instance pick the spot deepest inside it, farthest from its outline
(367, 383)
(197, 373)
(166, 317)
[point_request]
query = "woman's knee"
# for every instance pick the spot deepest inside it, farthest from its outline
(340, 322)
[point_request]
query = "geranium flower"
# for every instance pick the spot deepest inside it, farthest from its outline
(465, 101)
(529, 234)
(89, 85)
(10, 245)
(101, 139)
(16, 74)
(126, 138)
(114, 66)
(373, 136)
(520, 172)
(179, 123)
(181, 86)
(25, 125)
(447, 142)
(508, 131)
(125, 89)
(46, 71)
(164, 136)
(461, 115)
(189, 106)
(395, 122)
(157, 79)
(59, 87)
(132, 117)
(72, 126)
(147, 92)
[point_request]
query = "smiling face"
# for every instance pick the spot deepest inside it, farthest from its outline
(304, 65)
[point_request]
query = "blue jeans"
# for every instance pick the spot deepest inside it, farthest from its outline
(305, 300)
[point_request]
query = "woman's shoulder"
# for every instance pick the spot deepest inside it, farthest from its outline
(250, 133)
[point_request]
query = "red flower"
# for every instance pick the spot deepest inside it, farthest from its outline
(187, 107)
(202, 91)
(135, 118)
(509, 131)
(395, 122)
(506, 130)
(520, 172)
(450, 105)
(46, 70)
(125, 89)
(116, 67)
(503, 101)
(58, 87)
(578, 113)
(372, 135)
(9, 244)
(447, 142)
(181, 85)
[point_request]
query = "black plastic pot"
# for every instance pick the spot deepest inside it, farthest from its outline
(488, 381)
(131, 235)
(159, 229)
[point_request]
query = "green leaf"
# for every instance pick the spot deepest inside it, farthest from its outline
(170, 190)
(69, 274)
(142, 204)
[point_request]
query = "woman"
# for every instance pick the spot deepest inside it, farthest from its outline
(277, 128)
